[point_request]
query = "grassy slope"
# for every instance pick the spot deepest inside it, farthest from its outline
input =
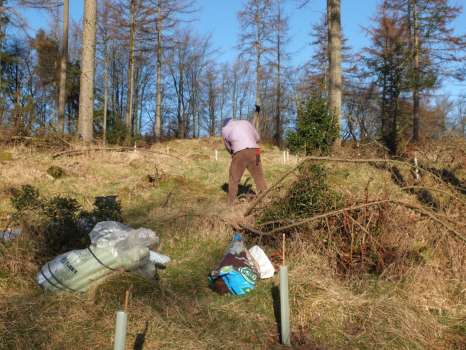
(425, 310)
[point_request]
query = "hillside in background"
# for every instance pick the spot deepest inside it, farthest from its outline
(388, 275)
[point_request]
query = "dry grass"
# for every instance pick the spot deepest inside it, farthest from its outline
(420, 305)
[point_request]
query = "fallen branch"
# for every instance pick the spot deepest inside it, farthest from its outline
(268, 190)
(254, 230)
(338, 160)
(382, 160)
(273, 222)
(325, 215)
(375, 160)
(431, 215)
(419, 209)
(109, 149)
(57, 135)
(435, 190)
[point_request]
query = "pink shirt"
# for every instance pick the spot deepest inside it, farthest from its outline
(239, 135)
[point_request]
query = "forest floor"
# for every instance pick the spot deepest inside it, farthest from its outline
(416, 302)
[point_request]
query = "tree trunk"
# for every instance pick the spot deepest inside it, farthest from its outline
(222, 102)
(278, 119)
(114, 85)
(2, 39)
(463, 125)
(416, 48)
(86, 93)
(257, 121)
(462, 117)
(334, 57)
(182, 127)
(211, 102)
(63, 66)
(141, 99)
(129, 108)
(234, 97)
(106, 63)
(158, 87)
(135, 119)
(104, 122)
(17, 109)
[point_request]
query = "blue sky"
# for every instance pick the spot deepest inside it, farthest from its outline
(219, 18)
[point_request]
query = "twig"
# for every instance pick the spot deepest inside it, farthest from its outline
(165, 203)
(253, 230)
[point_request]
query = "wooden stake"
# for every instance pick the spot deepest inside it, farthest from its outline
(283, 249)
(126, 300)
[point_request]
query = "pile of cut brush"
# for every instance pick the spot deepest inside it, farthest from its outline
(382, 236)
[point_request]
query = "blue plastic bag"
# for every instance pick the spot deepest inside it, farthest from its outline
(236, 273)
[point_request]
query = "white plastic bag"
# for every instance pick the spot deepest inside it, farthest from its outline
(266, 269)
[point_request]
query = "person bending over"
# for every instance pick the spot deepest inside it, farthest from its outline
(241, 141)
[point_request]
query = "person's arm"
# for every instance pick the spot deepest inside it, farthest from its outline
(227, 146)
(226, 142)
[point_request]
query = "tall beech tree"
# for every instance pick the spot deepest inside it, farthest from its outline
(334, 59)
(86, 94)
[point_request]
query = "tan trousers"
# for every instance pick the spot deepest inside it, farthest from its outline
(242, 160)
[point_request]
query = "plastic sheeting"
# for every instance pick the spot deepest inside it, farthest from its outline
(114, 247)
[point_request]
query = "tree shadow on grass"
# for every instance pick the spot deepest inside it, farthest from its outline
(275, 291)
